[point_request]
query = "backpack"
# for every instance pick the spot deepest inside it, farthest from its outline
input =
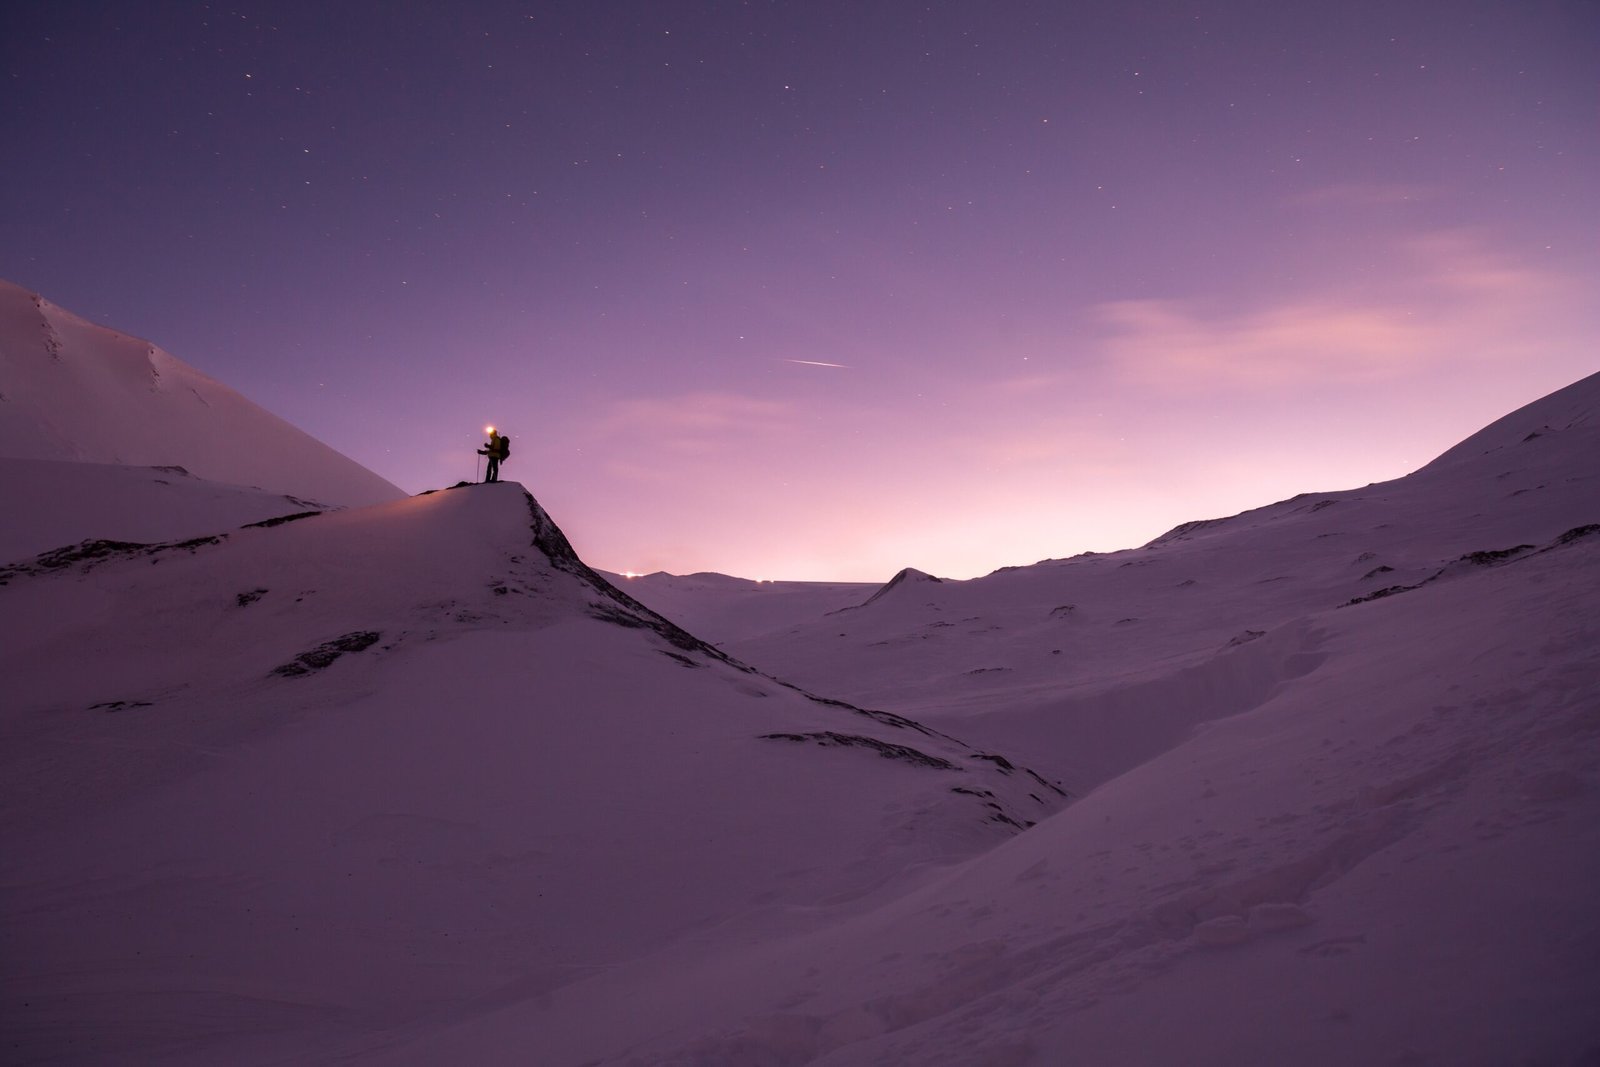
(505, 448)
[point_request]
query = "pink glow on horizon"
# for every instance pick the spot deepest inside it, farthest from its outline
(753, 298)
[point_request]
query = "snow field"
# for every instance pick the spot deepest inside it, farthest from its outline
(408, 783)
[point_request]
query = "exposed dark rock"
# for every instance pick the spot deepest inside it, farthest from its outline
(831, 738)
(86, 555)
(1046, 783)
(1379, 594)
(1063, 611)
(1483, 559)
(279, 520)
(250, 597)
(1374, 572)
(327, 652)
(1004, 764)
(119, 705)
(1245, 638)
(86, 551)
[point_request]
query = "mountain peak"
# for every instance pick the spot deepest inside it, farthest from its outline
(907, 576)
(73, 390)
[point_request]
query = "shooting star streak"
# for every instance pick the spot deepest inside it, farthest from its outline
(816, 363)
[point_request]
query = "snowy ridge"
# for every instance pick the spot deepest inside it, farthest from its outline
(907, 576)
(274, 724)
(1573, 410)
(522, 591)
(72, 390)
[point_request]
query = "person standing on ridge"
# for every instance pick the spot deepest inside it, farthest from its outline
(497, 449)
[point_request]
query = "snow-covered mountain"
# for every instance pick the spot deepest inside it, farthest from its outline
(1339, 761)
(351, 769)
(74, 391)
(1218, 607)
(411, 784)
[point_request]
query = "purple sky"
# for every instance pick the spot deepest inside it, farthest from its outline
(1087, 270)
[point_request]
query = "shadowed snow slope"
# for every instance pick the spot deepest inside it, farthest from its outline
(1339, 767)
(316, 778)
(71, 390)
(738, 607)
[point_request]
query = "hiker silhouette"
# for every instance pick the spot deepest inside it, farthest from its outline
(497, 449)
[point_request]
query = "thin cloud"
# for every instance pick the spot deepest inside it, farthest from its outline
(1176, 341)
(687, 425)
(816, 363)
(1454, 300)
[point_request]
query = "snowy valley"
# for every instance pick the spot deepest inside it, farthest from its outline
(298, 769)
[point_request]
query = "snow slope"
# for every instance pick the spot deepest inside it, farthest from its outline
(410, 784)
(266, 790)
(1204, 621)
(50, 503)
(1340, 792)
(72, 390)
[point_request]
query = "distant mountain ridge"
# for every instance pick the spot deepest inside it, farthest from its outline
(73, 390)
